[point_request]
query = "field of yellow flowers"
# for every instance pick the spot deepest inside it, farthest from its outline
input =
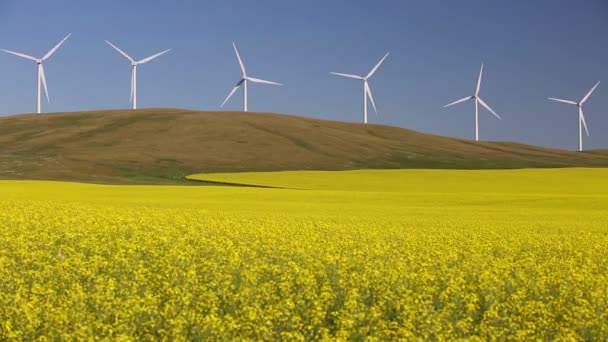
(357, 255)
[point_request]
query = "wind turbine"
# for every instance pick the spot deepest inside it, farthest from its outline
(581, 116)
(478, 101)
(243, 81)
(367, 92)
(134, 65)
(41, 79)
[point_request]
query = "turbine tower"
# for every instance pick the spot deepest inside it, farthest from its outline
(581, 116)
(134, 65)
(367, 92)
(41, 79)
(243, 81)
(478, 101)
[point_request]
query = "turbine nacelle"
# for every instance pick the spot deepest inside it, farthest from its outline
(39, 61)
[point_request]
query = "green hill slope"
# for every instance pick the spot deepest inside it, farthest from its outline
(163, 145)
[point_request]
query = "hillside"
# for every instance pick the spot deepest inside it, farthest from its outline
(161, 146)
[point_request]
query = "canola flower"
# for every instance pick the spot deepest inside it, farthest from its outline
(84, 261)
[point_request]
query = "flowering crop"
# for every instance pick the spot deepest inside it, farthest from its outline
(525, 259)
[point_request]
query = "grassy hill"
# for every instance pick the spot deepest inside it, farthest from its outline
(161, 146)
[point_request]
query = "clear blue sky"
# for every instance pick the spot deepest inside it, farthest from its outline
(532, 50)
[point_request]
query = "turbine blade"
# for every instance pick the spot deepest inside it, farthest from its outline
(581, 116)
(589, 93)
(479, 80)
(459, 101)
(238, 56)
(52, 51)
(147, 59)
(43, 79)
(371, 73)
(22, 55)
(368, 91)
(236, 87)
(257, 80)
(564, 101)
(347, 75)
(121, 52)
(488, 108)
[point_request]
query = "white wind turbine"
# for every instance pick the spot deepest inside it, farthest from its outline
(41, 79)
(134, 65)
(478, 101)
(581, 116)
(243, 81)
(367, 92)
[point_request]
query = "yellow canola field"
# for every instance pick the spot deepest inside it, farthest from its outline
(359, 255)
